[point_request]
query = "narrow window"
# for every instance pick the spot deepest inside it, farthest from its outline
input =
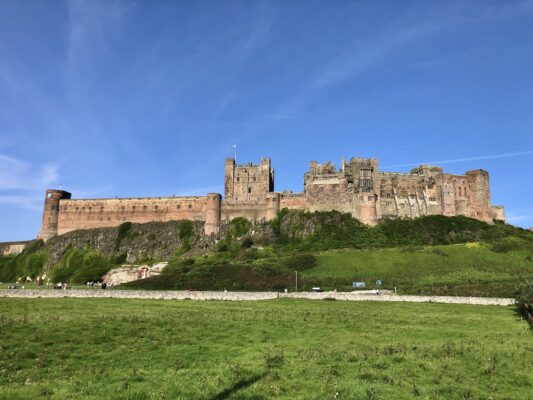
(249, 190)
(190, 205)
(178, 206)
(460, 192)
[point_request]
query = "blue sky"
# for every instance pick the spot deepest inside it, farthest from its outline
(145, 98)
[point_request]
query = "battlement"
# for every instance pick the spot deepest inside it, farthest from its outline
(357, 187)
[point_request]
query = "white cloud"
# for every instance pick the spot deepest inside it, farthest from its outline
(32, 202)
(17, 174)
(457, 160)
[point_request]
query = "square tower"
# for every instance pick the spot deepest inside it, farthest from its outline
(249, 181)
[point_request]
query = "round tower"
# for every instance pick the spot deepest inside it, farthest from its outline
(51, 213)
(272, 208)
(212, 215)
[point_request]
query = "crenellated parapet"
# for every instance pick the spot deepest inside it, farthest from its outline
(357, 187)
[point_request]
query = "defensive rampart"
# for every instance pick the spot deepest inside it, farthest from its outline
(357, 188)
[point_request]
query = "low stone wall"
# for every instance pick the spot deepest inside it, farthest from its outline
(248, 296)
(137, 294)
(355, 296)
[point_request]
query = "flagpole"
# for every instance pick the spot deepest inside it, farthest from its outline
(235, 152)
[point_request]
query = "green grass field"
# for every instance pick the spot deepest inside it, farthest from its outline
(148, 349)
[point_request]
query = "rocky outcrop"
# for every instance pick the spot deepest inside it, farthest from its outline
(152, 240)
(128, 273)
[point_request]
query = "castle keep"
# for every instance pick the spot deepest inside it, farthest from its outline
(357, 187)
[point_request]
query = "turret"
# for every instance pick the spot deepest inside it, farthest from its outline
(212, 217)
(51, 213)
(478, 182)
(272, 209)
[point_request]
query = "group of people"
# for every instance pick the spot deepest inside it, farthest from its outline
(60, 285)
(93, 284)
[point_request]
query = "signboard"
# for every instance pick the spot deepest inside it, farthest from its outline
(379, 282)
(359, 284)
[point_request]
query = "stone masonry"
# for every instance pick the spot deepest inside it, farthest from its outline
(357, 187)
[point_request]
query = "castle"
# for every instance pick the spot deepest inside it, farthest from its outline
(357, 187)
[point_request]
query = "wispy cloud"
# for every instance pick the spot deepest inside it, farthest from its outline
(89, 26)
(459, 160)
(261, 29)
(22, 184)
(366, 53)
(31, 202)
(16, 174)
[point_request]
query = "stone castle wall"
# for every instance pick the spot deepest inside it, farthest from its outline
(357, 187)
(98, 213)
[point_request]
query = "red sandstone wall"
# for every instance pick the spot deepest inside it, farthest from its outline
(254, 210)
(98, 213)
(293, 202)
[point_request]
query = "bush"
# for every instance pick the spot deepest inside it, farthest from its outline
(524, 293)
(276, 222)
(122, 232)
(239, 227)
(22, 265)
(80, 266)
(510, 244)
(186, 228)
(301, 262)
(247, 242)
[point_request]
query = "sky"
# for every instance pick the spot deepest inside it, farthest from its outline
(146, 98)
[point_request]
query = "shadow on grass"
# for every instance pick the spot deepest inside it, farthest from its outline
(239, 385)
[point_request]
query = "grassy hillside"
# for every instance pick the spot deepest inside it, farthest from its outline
(424, 255)
(472, 269)
(151, 349)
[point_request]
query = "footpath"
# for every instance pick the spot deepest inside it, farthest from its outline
(249, 296)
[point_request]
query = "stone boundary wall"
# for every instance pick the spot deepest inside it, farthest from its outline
(247, 296)
(12, 248)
